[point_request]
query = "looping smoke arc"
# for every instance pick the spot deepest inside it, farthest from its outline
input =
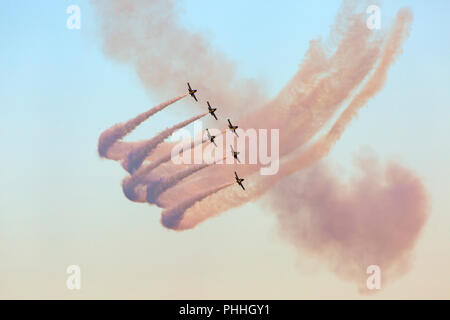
(335, 80)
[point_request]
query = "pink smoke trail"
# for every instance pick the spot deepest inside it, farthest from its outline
(375, 218)
(130, 183)
(328, 78)
(145, 35)
(137, 156)
(156, 189)
(110, 136)
(320, 148)
(171, 217)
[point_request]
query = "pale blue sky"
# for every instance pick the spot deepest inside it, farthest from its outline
(59, 92)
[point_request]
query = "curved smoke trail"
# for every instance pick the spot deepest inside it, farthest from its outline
(338, 76)
(319, 149)
(156, 189)
(130, 183)
(171, 217)
(136, 157)
(120, 130)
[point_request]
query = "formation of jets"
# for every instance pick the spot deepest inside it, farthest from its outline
(211, 138)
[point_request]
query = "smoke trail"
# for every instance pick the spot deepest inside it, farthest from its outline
(120, 130)
(351, 226)
(374, 84)
(135, 158)
(374, 219)
(145, 35)
(349, 70)
(320, 148)
(154, 190)
(130, 183)
(171, 217)
(392, 50)
(317, 105)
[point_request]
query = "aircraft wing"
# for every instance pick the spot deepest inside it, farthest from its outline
(230, 123)
(241, 185)
(214, 143)
(189, 86)
(214, 115)
(207, 131)
(193, 96)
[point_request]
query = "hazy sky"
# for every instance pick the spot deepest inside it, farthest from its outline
(60, 204)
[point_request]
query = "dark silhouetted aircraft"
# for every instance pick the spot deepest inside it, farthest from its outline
(211, 110)
(232, 128)
(211, 138)
(192, 92)
(235, 154)
(239, 180)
